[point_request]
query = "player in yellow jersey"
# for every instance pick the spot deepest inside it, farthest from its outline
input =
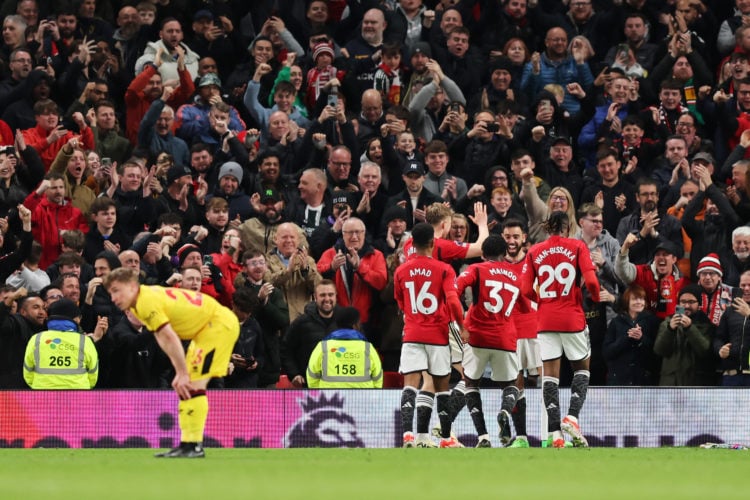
(174, 314)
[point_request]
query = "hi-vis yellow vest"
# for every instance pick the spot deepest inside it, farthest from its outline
(60, 360)
(344, 364)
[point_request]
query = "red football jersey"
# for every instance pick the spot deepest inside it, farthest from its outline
(495, 290)
(524, 314)
(420, 286)
(558, 264)
(444, 250)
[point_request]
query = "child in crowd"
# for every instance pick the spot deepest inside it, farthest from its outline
(388, 76)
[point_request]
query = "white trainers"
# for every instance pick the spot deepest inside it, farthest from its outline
(570, 426)
(425, 443)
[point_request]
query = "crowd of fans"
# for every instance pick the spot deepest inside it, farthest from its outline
(272, 152)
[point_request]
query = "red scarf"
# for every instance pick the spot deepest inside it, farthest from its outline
(715, 306)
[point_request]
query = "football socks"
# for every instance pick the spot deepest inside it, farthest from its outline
(408, 402)
(192, 418)
(551, 393)
(578, 388)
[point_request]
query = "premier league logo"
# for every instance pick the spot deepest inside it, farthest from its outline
(324, 424)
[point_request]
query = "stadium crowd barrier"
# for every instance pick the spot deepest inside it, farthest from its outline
(611, 417)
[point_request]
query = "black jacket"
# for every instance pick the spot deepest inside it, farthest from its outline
(250, 346)
(300, 340)
(15, 332)
(733, 328)
(137, 360)
(629, 361)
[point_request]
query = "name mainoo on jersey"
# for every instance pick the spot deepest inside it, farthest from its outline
(504, 272)
(553, 250)
(419, 271)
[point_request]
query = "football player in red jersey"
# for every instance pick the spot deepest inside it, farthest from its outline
(524, 318)
(425, 290)
(490, 333)
(440, 217)
(558, 265)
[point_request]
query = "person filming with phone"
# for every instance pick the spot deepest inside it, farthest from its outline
(684, 343)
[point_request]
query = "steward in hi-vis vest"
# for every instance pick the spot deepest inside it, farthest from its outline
(61, 357)
(345, 359)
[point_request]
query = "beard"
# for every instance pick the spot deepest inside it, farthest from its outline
(649, 206)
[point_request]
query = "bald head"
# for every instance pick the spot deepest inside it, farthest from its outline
(372, 105)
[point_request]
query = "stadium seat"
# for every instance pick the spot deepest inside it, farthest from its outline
(393, 380)
(284, 383)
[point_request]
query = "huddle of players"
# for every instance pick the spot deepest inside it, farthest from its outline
(499, 329)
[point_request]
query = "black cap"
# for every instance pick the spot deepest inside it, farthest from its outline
(693, 289)
(342, 198)
(667, 246)
(422, 48)
(175, 172)
(270, 194)
(64, 309)
(413, 167)
(501, 62)
(395, 212)
(561, 139)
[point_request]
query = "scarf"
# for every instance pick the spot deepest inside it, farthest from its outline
(316, 79)
(667, 295)
(393, 90)
(664, 117)
(691, 100)
(715, 305)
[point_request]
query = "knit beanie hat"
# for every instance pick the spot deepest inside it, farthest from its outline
(710, 262)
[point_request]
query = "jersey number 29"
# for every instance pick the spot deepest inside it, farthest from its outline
(563, 274)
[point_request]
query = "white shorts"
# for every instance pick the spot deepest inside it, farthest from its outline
(576, 346)
(434, 359)
(529, 355)
(454, 340)
(504, 364)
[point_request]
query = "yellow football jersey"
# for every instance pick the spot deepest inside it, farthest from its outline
(187, 311)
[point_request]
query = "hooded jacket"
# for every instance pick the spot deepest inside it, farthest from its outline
(48, 220)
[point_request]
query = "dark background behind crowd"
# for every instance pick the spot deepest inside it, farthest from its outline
(260, 150)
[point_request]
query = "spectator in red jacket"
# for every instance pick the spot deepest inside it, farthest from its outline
(357, 268)
(51, 215)
(148, 86)
(49, 135)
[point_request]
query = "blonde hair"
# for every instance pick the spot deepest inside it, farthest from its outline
(571, 210)
(437, 213)
(556, 90)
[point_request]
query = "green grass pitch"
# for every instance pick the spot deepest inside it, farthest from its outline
(332, 474)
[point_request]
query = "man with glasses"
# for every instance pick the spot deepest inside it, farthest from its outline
(20, 66)
(604, 248)
(684, 343)
(649, 225)
(338, 170)
(271, 311)
(358, 270)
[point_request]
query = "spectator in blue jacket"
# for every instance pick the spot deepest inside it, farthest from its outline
(556, 66)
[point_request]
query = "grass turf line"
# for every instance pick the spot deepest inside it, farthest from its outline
(609, 473)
